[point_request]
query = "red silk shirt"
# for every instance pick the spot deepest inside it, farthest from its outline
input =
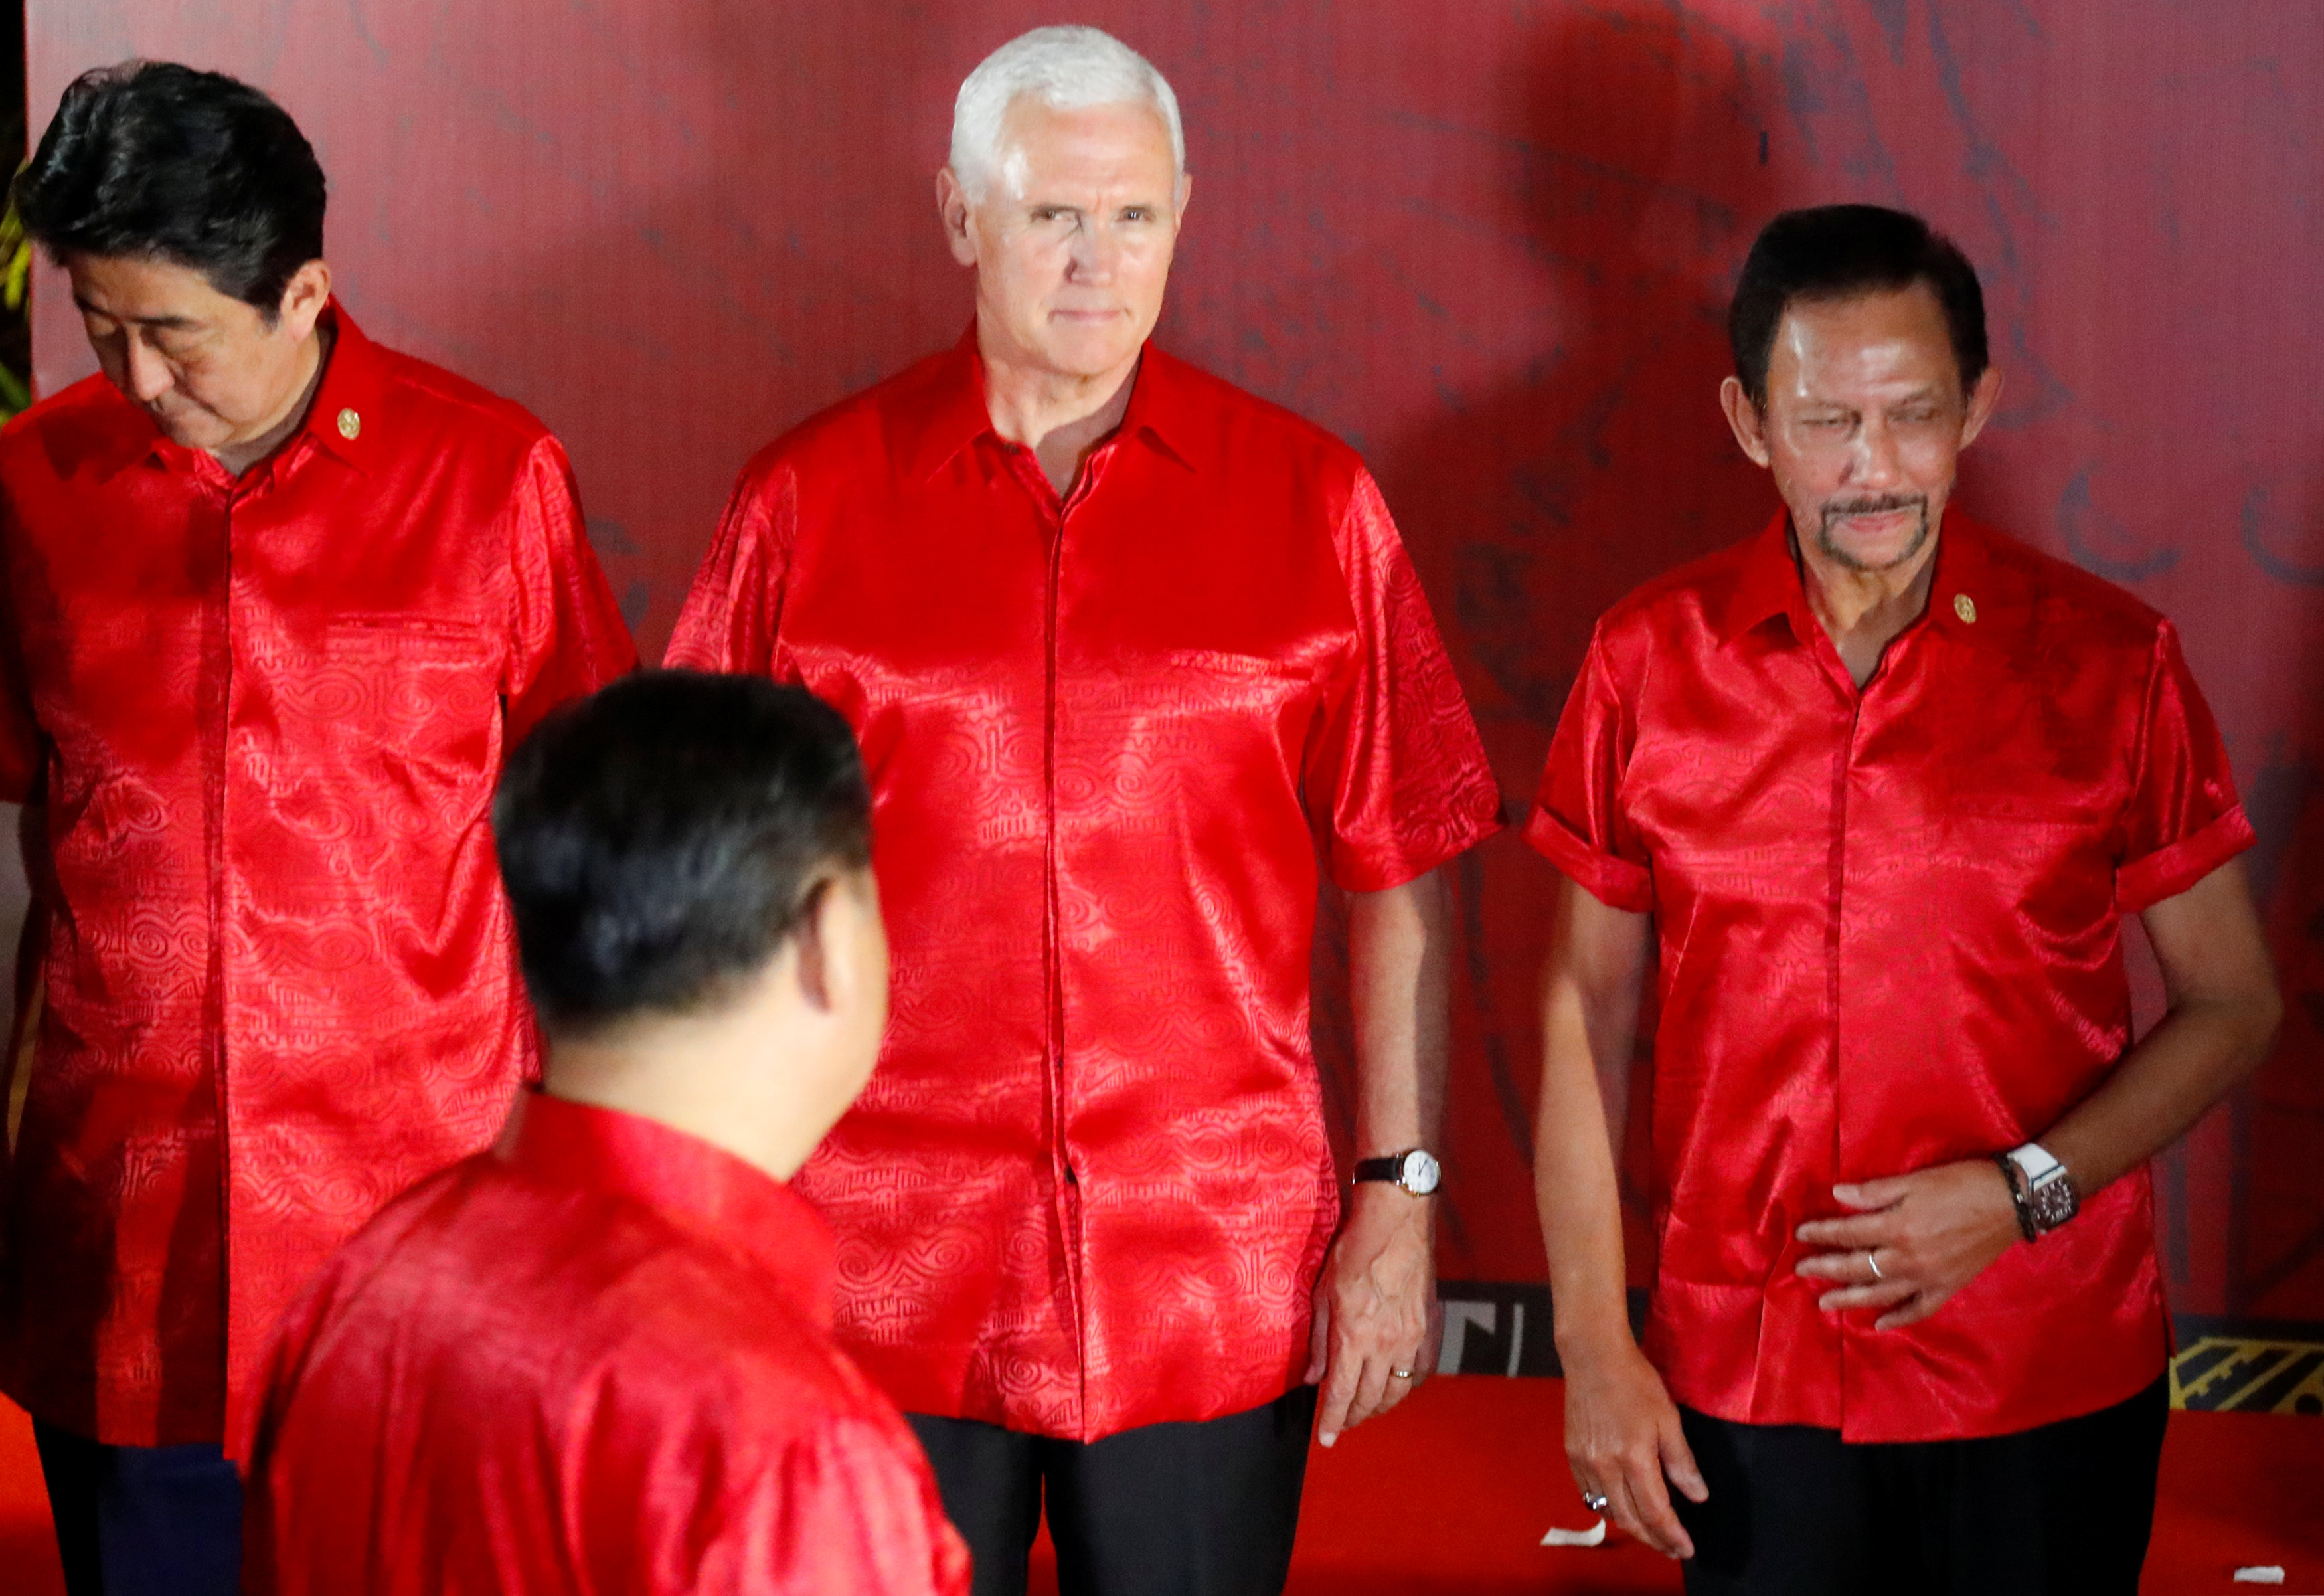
(1089, 1187)
(597, 1359)
(278, 980)
(1889, 925)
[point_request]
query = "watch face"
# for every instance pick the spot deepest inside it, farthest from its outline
(1421, 1174)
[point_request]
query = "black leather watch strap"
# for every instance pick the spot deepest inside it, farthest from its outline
(1390, 1168)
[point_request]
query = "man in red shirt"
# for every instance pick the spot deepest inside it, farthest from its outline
(1127, 648)
(1883, 783)
(272, 599)
(599, 1357)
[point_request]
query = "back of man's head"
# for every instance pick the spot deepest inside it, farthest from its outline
(1842, 252)
(157, 162)
(660, 840)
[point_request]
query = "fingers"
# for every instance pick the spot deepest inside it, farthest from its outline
(1371, 1390)
(1678, 1461)
(1319, 1331)
(1918, 1306)
(1646, 1508)
(1869, 1194)
(1861, 1233)
(1340, 1378)
(1885, 1293)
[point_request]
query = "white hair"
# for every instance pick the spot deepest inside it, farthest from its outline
(1064, 68)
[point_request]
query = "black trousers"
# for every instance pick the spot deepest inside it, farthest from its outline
(2065, 1510)
(143, 1521)
(1173, 1509)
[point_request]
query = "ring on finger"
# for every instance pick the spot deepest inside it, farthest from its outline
(1595, 1500)
(1400, 1374)
(1872, 1257)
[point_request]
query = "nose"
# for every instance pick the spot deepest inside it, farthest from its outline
(146, 372)
(1095, 253)
(1875, 463)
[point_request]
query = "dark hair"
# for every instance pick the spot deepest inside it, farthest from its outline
(1840, 252)
(154, 159)
(659, 838)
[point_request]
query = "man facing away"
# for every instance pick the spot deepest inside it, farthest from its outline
(272, 599)
(599, 1357)
(1125, 648)
(1883, 783)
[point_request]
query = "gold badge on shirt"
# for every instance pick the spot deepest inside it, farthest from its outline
(1963, 606)
(351, 427)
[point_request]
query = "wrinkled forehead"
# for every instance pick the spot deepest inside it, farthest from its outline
(1111, 146)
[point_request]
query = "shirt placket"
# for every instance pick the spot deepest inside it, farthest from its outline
(1056, 518)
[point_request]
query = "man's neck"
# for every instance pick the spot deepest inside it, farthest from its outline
(1863, 612)
(314, 356)
(1059, 417)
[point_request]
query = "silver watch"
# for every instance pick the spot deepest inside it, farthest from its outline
(2051, 1199)
(1417, 1171)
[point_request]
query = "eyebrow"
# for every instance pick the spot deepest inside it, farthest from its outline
(166, 323)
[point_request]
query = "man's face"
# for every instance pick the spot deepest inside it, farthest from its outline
(1071, 237)
(1864, 425)
(208, 368)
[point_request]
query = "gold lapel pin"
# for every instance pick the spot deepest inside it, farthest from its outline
(1965, 607)
(351, 428)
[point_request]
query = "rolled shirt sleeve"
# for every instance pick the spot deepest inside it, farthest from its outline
(2184, 819)
(730, 613)
(1578, 822)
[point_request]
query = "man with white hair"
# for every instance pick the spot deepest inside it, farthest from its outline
(1127, 650)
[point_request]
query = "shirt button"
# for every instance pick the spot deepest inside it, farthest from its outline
(350, 425)
(1965, 607)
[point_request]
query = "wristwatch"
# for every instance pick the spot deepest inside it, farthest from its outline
(1416, 1170)
(2041, 1189)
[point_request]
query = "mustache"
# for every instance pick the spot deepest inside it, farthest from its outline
(1840, 509)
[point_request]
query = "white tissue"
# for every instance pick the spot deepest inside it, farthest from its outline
(1595, 1536)
(2268, 1575)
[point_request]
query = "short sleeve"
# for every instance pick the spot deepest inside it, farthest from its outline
(729, 620)
(1408, 784)
(1577, 821)
(844, 1508)
(568, 637)
(2184, 819)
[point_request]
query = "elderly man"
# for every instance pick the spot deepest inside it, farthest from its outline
(597, 1359)
(1883, 783)
(1125, 648)
(275, 599)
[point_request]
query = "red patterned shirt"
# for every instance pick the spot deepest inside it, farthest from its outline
(278, 982)
(1890, 929)
(1090, 1185)
(596, 1359)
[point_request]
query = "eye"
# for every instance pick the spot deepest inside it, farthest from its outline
(1137, 213)
(1918, 416)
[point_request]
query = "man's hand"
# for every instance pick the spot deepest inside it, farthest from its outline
(1375, 1309)
(1622, 1440)
(1930, 1233)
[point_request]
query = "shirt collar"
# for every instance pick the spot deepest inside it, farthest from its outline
(956, 415)
(347, 403)
(704, 1188)
(1966, 599)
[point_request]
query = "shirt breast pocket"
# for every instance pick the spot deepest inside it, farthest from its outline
(416, 699)
(2039, 851)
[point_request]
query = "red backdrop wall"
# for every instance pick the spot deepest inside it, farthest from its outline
(1490, 244)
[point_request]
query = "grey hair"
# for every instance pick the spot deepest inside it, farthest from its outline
(1066, 68)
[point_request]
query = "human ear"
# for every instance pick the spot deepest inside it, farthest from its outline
(817, 939)
(951, 209)
(1983, 400)
(1744, 420)
(303, 299)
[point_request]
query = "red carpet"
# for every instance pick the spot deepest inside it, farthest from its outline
(1452, 1492)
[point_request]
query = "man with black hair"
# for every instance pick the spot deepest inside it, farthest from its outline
(1881, 783)
(599, 1357)
(273, 600)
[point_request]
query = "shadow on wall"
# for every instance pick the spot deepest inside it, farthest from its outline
(1627, 157)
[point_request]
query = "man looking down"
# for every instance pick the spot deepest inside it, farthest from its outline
(1883, 783)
